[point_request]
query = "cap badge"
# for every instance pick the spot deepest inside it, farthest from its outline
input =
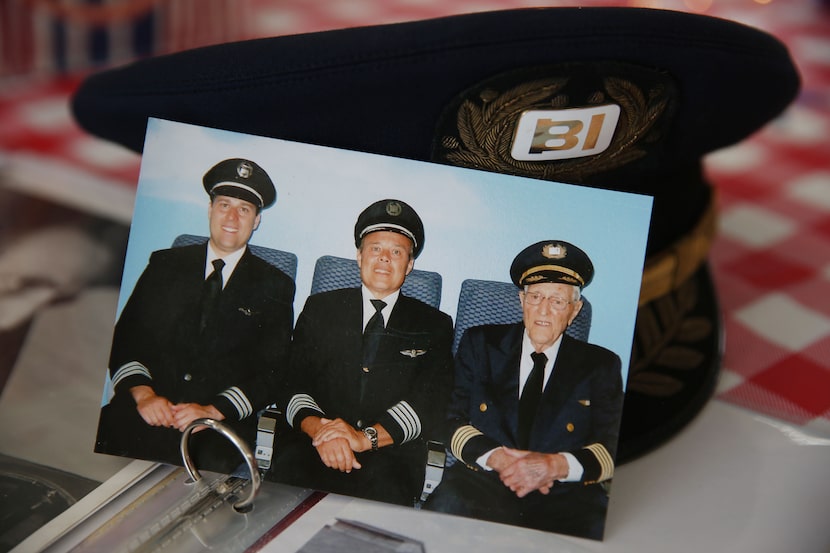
(244, 170)
(546, 135)
(557, 123)
(393, 209)
(554, 251)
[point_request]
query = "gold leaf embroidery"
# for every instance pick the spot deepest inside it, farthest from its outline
(485, 129)
(659, 355)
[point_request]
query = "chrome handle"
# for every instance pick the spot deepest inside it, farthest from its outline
(243, 505)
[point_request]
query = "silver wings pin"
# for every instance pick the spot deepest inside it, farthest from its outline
(413, 352)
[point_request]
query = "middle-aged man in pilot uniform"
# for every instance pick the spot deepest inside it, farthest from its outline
(534, 415)
(202, 335)
(363, 399)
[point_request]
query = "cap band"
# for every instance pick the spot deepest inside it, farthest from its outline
(390, 227)
(667, 270)
(238, 185)
(557, 268)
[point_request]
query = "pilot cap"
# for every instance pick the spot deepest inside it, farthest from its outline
(393, 216)
(243, 179)
(619, 98)
(552, 261)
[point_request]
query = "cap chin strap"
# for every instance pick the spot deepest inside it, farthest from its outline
(665, 271)
(391, 228)
(241, 187)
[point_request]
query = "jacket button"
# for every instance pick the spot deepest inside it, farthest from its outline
(365, 369)
(359, 424)
(188, 377)
(569, 427)
(482, 407)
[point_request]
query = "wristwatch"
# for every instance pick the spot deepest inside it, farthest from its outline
(372, 435)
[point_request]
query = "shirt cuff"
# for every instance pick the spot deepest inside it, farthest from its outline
(575, 469)
(482, 461)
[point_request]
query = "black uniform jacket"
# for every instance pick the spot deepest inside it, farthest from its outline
(405, 390)
(579, 412)
(233, 364)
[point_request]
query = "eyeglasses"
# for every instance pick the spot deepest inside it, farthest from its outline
(556, 303)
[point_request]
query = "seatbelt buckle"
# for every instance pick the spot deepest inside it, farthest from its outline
(265, 435)
(436, 457)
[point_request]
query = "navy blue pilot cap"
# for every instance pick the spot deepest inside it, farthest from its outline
(393, 216)
(627, 99)
(553, 261)
(243, 179)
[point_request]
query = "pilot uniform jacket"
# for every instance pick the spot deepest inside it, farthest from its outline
(232, 365)
(579, 413)
(405, 390)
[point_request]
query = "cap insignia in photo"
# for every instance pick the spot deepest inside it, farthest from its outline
(393, 216)
(619, 98)
(243, 179)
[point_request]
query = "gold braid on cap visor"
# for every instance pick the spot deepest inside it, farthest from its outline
(557, 268)
(665, 271)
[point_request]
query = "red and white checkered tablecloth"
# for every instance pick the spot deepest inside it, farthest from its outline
(771, 259)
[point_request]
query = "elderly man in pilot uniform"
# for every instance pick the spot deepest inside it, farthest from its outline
(372, 372)
(534, 414)
(202, 334)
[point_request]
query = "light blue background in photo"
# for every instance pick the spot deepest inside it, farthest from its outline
(476, 222)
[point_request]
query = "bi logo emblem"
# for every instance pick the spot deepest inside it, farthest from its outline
(545, 135)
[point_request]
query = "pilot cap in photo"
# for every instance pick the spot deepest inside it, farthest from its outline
(240, 178)
(393, 216)
(554, 261)
(627, 99)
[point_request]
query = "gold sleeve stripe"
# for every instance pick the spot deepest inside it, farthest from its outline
(407, 419)
(461, 437)
(606, 462)
(239, 401)
(133, 368)
(298, 402)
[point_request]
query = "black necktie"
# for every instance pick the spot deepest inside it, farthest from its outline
(372, 333)
(212, 288)
(529, 400)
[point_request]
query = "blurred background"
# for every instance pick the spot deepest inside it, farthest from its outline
(66, 202)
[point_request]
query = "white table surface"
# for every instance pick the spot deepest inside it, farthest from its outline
(732, 481)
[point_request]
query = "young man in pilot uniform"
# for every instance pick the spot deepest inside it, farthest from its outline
(181, 352)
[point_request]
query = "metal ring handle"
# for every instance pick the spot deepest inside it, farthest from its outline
(243, 505)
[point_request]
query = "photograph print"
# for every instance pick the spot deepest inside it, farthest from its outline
(425, 335)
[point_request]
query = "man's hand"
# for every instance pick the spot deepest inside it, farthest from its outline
(185, 413)
(500, 459)
(338, 428)
(155, 410)
(527, 471)
(332, 440)
(337, 454)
